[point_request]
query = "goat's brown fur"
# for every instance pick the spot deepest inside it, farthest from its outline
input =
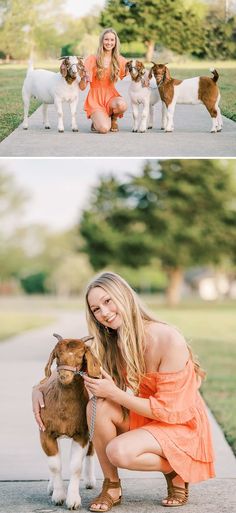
(65, 396)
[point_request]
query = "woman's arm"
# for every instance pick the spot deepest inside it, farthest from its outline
(106, 388)
(38, 400)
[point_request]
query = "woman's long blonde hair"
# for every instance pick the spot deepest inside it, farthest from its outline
(121, 352)
(115, 66)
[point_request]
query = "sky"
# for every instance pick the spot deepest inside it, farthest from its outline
(59, 189)
(81, 7)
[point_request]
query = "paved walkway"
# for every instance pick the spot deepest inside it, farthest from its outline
(191, 138)
(23, 468)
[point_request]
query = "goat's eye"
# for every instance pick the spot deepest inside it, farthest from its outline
(107, 301)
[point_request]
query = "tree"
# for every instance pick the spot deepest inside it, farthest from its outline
(165, 22)
(12, 201)
(179, 211)
(21, 22)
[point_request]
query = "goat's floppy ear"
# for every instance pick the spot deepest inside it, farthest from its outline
(63, 69)
(93, 365)
(47, 369)
(150, 74)
(127, 66)
(167, 73)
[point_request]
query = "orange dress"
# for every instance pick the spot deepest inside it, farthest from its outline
(101, 91)
(181, 426)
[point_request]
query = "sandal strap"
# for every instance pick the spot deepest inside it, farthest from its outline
(174, 492)
(104, 497)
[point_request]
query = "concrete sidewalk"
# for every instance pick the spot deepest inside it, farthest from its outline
(23, 468)
(191, 138)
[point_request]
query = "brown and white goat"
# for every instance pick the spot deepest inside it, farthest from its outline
(64, 415)
(141, 95)
(49, 87)
(189, 91)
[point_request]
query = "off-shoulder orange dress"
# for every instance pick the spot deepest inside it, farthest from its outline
(101, 91)
(181, 427)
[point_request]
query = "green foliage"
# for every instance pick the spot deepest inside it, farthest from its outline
(166, 22)
(25, 22)
(220, 38)
(178, 211)
(34, 283)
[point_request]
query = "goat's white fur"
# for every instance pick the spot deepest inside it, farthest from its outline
(49, 87)
(56, 486)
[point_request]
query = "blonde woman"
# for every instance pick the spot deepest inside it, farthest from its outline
(104, 104)
(163, 425)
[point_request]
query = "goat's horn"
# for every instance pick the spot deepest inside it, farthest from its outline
(85, 339)
(59, 337)
(64, 57)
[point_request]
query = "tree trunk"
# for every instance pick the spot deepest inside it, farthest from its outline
(174, 287)
(150, 49)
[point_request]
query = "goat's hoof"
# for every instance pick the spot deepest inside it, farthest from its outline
(90, 483)
(213, 131)
(47, 127)
(61, 131)
(73, 504)
(162, 128)
(149, 127)
(25, 128)
(134, 131)
(75, 129)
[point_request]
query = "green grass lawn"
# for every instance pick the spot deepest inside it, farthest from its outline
(12, 322)
(211, 332)
(12, 77)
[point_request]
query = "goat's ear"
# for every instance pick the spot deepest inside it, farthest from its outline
(150, 74)
(93, 365)
(167, 73)
(63, 69)
(47, 369)
(127, 66)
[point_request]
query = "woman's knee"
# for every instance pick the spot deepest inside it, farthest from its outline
(117, 454)
(103, 129)
(120, 106)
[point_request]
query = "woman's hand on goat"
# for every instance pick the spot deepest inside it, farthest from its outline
(38, 403)
(104, 387)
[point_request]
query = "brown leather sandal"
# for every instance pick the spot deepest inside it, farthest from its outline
(114, 124)
(178, 495)
(104, 497)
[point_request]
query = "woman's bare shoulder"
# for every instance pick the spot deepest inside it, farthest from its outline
(170, 343)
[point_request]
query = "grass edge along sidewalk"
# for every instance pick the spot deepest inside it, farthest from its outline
(12, 77)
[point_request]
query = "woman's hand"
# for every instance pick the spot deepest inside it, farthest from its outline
(104, 387)
(38, 403)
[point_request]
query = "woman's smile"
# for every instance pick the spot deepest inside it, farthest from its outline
(104, 309)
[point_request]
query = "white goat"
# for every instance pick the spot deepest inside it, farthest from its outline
(141, 94)
(49, 87)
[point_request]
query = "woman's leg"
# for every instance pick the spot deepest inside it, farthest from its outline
(139, 450)
(101, 121)
(108, 424)
(117, 107)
